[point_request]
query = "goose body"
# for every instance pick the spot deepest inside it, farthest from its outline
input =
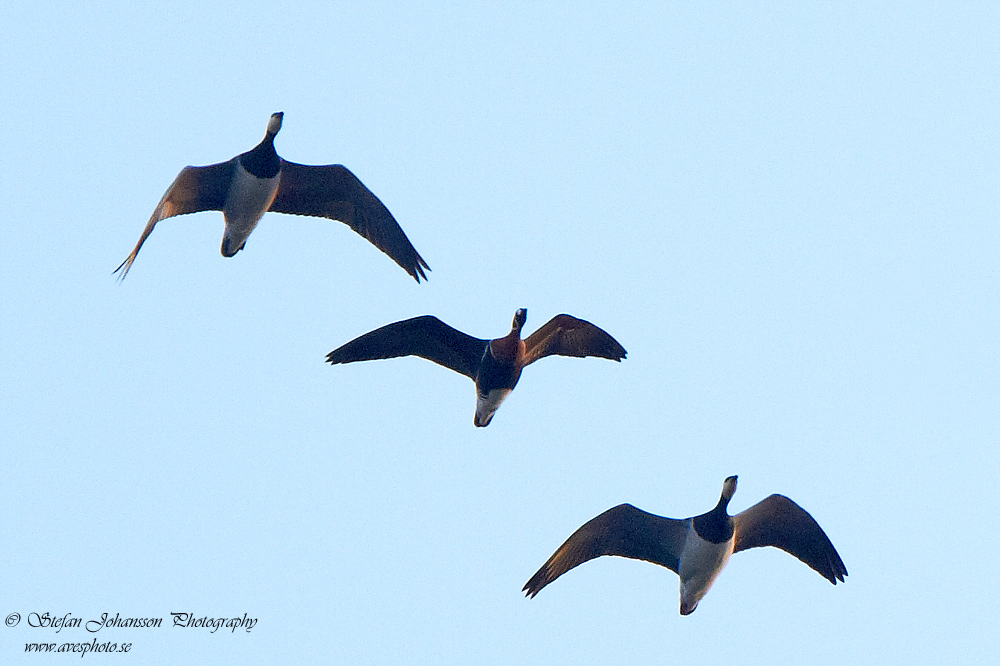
(249, 198)
(494, 365)
(698, 548)
(257, 181)
(700, 563)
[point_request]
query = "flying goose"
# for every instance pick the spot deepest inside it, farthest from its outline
(698, 548)
(495, 365)
(248, 185)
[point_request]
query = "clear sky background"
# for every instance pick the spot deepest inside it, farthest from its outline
(787, 214)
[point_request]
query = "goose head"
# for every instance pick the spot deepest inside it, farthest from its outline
(728, 490)
(274, 123)
(520, 317)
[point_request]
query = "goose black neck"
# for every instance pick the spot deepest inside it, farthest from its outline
(263, 160)
(716, 525)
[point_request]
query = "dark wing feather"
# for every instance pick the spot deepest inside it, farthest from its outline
(334, 192)
(624, 531)
(778, 521)
(195, 189)
(427, 337)
(568, 336)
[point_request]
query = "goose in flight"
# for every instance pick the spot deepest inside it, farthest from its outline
(495, 365)
(257, 181)
(698, 548)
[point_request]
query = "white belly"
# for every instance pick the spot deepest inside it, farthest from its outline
(487, 407)
(700, 563)
(248, 200)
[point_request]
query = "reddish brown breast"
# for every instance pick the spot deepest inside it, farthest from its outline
(508, 349)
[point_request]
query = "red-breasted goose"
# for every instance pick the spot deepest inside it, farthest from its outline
(495, 365)
(698, 548)
(250, 184)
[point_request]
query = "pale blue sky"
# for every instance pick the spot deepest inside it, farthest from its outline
(787, 214)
